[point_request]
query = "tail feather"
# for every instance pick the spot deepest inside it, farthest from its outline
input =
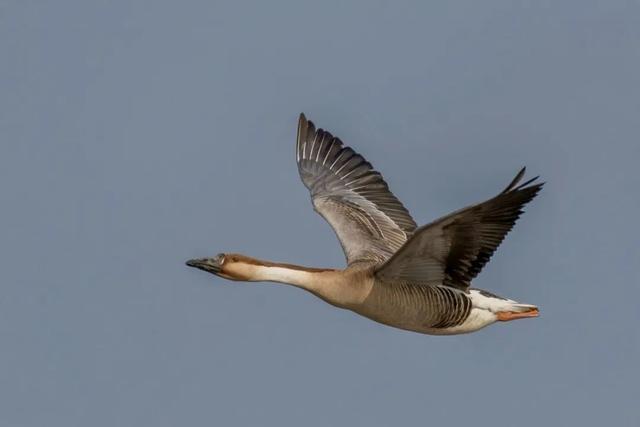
(522, 308)
(504, 309)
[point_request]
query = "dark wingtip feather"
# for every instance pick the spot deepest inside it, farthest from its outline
(515, 180)
(305, 124)
(515, 186)
(303, 130)
(521, 186)
(302, 125)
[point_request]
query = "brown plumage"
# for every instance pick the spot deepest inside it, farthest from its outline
(412, 278)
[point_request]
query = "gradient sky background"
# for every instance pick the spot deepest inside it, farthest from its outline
(136, 135)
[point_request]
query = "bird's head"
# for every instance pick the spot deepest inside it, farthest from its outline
(228, 266)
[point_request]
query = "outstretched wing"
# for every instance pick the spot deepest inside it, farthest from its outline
(368, 219)
(452, 250)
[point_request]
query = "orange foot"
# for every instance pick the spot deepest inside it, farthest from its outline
(505, 316)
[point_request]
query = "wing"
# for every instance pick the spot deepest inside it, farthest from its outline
(452, 250)
(368, 219)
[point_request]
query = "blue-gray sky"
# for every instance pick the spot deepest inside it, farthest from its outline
(135, 135)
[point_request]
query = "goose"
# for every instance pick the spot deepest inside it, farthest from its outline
(398, 274)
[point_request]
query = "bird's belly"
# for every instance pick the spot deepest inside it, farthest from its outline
(421, 309)
(418, 321)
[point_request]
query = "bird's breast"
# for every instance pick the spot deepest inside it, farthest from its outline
(344, 289)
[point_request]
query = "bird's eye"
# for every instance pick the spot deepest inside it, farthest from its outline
(220, 258)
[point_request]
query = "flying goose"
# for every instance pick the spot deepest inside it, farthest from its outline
(398, 274)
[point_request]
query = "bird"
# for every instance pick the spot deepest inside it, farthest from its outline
(398, 274)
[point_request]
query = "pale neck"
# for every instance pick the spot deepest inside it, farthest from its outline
(334, 286)
(287, 275)
(311, 279)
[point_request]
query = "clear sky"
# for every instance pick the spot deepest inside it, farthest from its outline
(135, 135)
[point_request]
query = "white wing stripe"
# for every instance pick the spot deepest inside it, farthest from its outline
(313, 144)
(336, 160)
(328, 151)
(341, 167)
(347, 174)
(319, 149)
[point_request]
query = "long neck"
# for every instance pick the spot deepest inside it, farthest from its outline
(336, 287)
(295, 276)
(311, 279)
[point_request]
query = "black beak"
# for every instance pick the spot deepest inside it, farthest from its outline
(206, 264)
